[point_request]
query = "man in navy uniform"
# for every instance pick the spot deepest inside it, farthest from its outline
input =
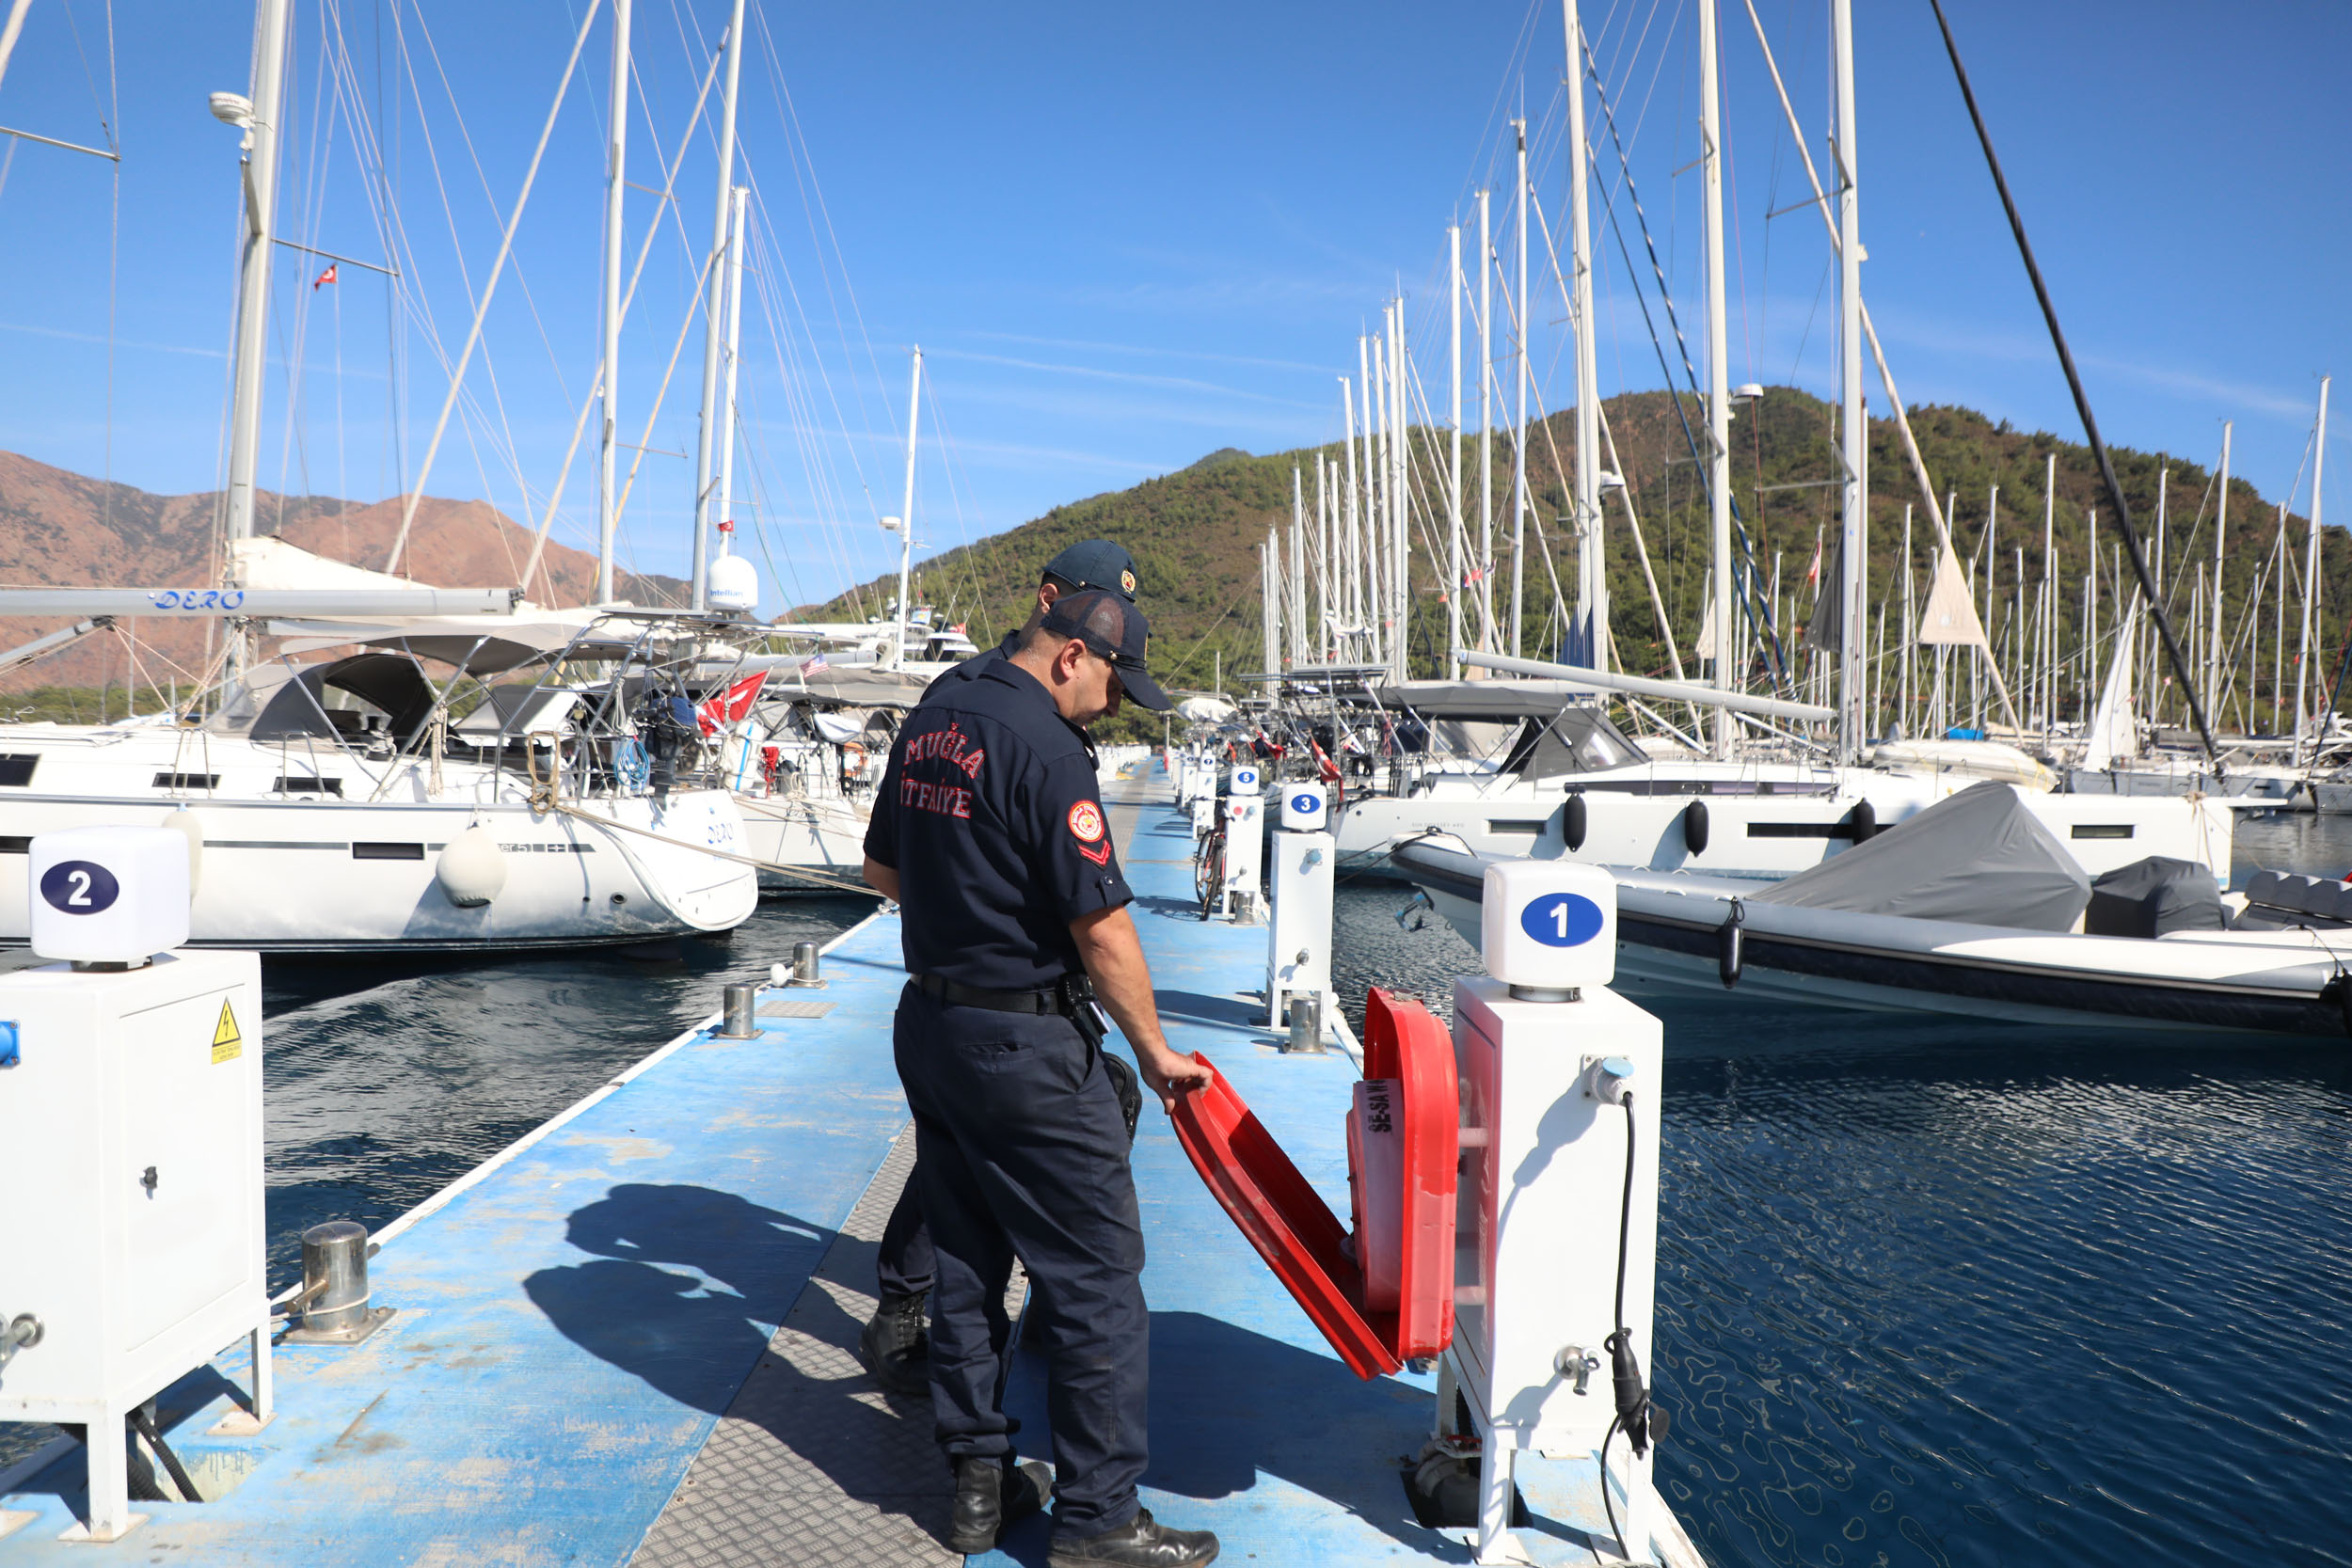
(989, 830)
(893, 1345)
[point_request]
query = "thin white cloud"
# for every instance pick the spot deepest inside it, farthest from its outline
(1152, 353)
(119, 343)
(1095, 372)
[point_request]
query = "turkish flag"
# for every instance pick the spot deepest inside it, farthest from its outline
(716, 713)
(326, 276)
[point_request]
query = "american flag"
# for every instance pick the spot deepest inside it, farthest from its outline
(814, 661)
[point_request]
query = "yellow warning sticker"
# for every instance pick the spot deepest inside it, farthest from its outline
(228, 1045)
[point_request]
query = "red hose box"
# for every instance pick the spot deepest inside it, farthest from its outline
(1382, 1294)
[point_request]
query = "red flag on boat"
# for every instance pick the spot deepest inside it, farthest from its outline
(717, 713)
(326, 276)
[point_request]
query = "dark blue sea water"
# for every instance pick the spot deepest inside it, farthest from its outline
(1937, 1293)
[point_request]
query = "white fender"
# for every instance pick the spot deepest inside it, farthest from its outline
(472, 868)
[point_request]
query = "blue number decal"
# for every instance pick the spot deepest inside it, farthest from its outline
(79, 887)
(1562, 919)
(1305, 803)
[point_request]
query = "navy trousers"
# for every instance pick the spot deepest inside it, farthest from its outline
(904, 1265)
(1021, 1152)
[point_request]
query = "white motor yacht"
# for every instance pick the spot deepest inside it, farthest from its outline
(1571, 784)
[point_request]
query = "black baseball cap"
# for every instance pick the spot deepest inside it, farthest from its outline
(1096, 563)
(1115, 629)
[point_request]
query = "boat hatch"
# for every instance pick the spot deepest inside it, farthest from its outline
(298, 784)
(16, 769)
(366, 851)
(2101, 830)
(187, 780)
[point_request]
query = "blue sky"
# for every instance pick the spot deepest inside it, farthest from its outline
(1126, 236)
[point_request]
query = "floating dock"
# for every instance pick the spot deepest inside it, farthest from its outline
(629, 1336)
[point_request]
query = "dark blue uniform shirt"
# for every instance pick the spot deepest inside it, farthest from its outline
(991, 814)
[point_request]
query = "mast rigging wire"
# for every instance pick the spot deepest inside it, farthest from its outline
(2173, 653)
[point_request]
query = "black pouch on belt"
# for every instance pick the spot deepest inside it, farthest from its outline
(1077, 994)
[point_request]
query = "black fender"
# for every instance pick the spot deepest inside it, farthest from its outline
(1731, 945)
(1694, 826)
(1574, 820)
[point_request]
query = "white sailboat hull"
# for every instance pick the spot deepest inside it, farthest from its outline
(324, 873)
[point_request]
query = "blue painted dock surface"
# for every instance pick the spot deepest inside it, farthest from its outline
(576, 1320)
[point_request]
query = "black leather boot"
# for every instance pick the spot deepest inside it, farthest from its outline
(895, 1347)
(1142, 1541)
(992, 1494)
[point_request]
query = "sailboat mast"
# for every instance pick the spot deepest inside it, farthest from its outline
(1485, 427)
(271, 19)
(713, 352)
(615, 185)
(2220, 528)
(1367, 554)
(1350, 616)
(734, 361)
(1400, 499)
(1519, 416)
(906, 513)
(2311, 579)
(1718, 373)
(1592, 562)
(1454, 470)
(1299, 569)
(1853, 427)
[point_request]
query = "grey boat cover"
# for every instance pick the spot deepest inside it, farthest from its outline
(1979, 856)
(2151, 896)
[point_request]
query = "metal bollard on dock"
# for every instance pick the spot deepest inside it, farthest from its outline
(337, 1304)
(739, 1010)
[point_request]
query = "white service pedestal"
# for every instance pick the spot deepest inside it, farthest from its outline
(1244, 857)
(1556, 1073)
(130, 1152)
(1298, 928)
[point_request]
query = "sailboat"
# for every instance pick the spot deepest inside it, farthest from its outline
(362, 803)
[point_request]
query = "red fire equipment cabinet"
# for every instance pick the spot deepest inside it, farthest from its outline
(1382, 1295)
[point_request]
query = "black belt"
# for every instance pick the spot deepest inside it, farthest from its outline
(1049, 1000)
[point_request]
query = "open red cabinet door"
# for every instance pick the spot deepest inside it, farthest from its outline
(1295, 1231)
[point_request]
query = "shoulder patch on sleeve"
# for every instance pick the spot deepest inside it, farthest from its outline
(1086, 822)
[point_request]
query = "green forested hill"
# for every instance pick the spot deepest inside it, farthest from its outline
(1195, 533)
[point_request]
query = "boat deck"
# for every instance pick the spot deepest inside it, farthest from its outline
(628, 1337)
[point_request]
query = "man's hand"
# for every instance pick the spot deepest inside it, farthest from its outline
(1113, 955)
(1171, 1074)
